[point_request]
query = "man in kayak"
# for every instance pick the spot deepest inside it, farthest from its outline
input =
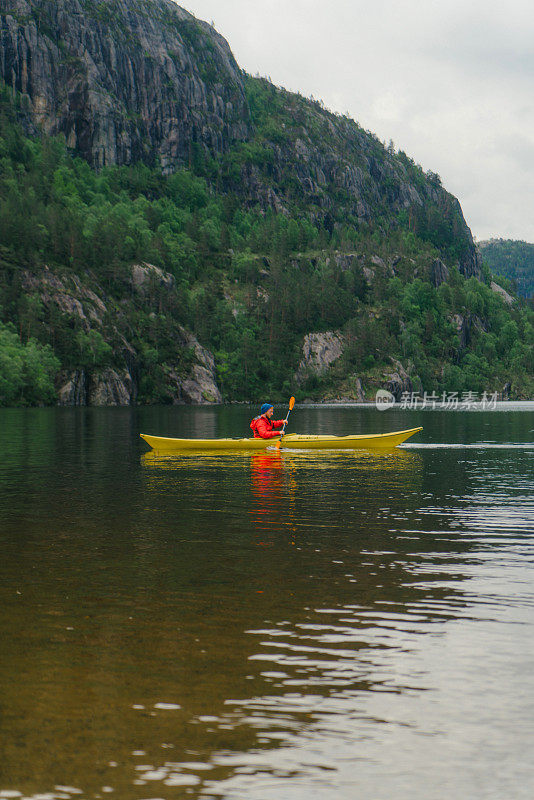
(264, 425)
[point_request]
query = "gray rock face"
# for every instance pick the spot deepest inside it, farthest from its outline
(508, 299)
(465, 325)
(72, 388)
(111, 388)
(345, 261)
(143, 275)
(143, 80)
(88, 312)
(398, 381)
(124, 81)
(67, 295)
(471, 263)
(114, 387)
(438, 272)
(108, 387)
(463, 329)
(319, 351)
(358, 393)
(199, 387)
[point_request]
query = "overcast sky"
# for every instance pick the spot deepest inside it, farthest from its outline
(450, 82)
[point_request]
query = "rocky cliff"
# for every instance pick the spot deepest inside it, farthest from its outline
(101, 331)
(143, 80)
(195, 233)
(123, 80)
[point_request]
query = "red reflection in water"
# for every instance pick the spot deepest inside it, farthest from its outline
(267, 476)
(267, 484)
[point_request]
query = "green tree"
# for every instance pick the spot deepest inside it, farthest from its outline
(94, 351)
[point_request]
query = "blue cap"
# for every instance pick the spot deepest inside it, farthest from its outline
(265, 407)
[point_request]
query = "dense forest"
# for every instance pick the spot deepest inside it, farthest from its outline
(221, 268)
(249, 284)
(513, 260)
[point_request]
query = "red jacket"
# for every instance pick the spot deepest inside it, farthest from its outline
(263, 427)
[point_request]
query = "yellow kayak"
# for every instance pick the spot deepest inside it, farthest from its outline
(292, 441)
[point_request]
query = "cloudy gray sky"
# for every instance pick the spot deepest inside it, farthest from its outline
(449, 81)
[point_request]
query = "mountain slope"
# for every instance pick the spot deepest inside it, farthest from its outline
(193, 232)
(513, 260)
(131, 80)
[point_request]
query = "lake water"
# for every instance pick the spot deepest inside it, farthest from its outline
(266, 625)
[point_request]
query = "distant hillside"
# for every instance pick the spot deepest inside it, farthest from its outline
(174, 230)
(512, 259)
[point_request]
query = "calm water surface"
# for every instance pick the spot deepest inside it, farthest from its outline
(266, 625)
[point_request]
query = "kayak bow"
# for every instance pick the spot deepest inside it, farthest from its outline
(292, 441)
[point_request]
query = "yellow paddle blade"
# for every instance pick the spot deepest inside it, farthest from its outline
(291, 404)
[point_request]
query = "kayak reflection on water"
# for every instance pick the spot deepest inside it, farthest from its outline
(273, 486)
(267, 485)
(267, 476)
